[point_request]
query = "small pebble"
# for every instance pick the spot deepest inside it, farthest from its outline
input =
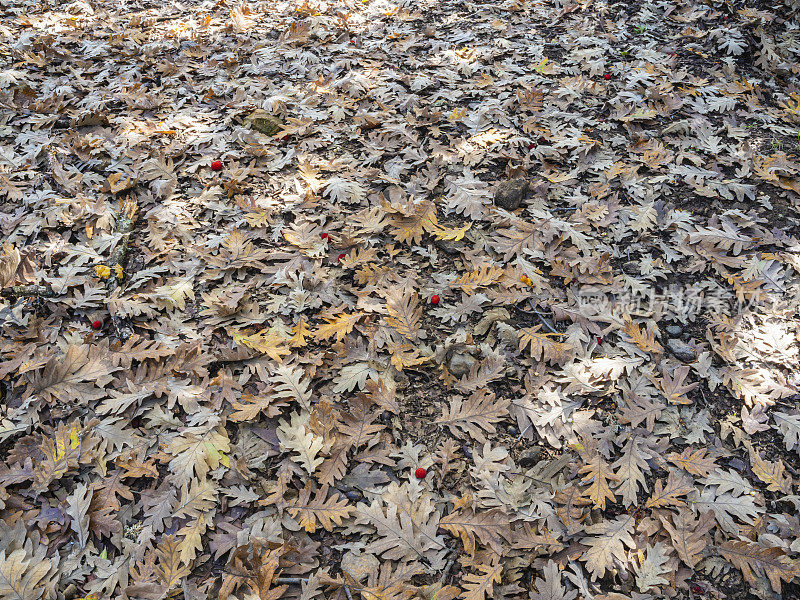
(682, 351)
(674, 331)
(737, 464)
(530, 457)
(509, 194)
(631, 268)
(460, 364)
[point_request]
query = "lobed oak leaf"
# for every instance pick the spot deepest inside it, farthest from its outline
(482, 277)
(606, 544)
(694, 462)
(644, 339)
(196, 451)
(339, 326)
(320, 510)
(250, 407)
(21, 575)
(543, 347)
(687, 535)
(410, 228)
(631, 468)
(650, 571)
(78, 510)
(551, 587)
(668, 494)
(295, 436)
(300, 332)
(291, 383)
(754, 560)
(491, 527)
(169, 569)
(342, 190)
(772, 473)
(266, 341)
(405, 313)
(401, 535)
(726, 507)
(195, 500)
(597, 474)
(475, 415)
(453, 235)
(78, 375)
(673, 385)
(478, 586)
(789, 426)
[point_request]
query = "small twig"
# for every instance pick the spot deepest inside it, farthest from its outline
(125, 222)
(544, 321)
(347, 592)
(446, 570)
(289, 580)
(27, 290)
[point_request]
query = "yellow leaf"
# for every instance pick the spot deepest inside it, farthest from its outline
(266, 341)
(118, 182)
(598, 472)
(645, 340)
(453, 235)
(340, 326)
(176, 292)
(73, 437)
(61, 448)
(299, 334)
(457, 114)
(483, 277)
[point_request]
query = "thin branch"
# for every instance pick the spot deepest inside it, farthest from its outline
(446, 570)
(18, 291)
(289, 580)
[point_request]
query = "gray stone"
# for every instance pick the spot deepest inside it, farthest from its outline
(674, 331)
(263, 122)
(449, 247)
(631, 268)
(460, 364)
(354, 495)
(682, 350)
(530, 457)
(509, 194)
(507, 334)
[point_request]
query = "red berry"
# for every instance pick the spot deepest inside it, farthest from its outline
(324, 236)
(599, 340)
(286, 138)
(696, 589)
(342, 255)
(607, 76)
(435, 299)
(531, 146)
(97, 324)
(420, 473)
(216, 165)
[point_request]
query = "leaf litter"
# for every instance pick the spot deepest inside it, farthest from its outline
(399, 300)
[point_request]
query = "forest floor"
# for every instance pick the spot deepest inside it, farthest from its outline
(385, 300)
